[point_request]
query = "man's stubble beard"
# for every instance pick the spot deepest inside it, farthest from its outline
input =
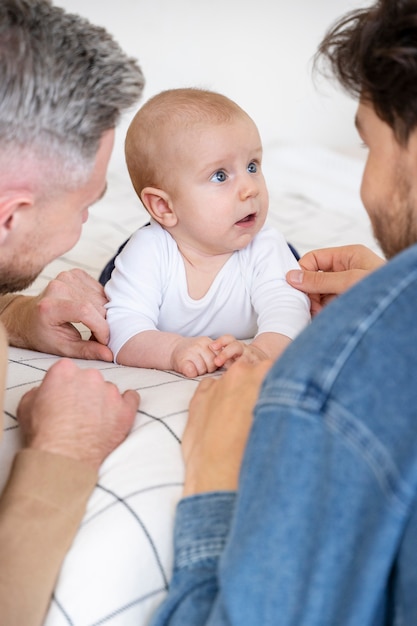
(396, 229)
(12, 280)
(21, 267)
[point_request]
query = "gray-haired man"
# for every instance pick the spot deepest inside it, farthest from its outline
(63, 86)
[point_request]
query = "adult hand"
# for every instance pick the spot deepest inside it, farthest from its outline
(45, 322)
(329, 272)
(77, 414)
(220, 418)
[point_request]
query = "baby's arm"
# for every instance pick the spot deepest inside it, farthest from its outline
(190, 356)
(265, 346)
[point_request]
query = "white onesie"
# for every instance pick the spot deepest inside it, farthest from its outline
(249, 296)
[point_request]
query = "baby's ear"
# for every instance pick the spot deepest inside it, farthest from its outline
(159, 206)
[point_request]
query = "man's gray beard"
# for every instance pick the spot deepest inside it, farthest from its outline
(10, 283)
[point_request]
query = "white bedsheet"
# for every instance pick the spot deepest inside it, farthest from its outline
(118, 568)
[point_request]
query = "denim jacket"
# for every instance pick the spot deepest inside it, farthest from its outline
(323, 531)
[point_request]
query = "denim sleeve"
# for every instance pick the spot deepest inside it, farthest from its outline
(310, 539)
(201, 530)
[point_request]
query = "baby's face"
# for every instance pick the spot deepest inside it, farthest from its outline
(219, 196)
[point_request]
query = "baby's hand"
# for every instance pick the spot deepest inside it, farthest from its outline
(228, 349)
(193, 356)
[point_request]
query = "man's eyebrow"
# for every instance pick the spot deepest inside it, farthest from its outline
(358, 124)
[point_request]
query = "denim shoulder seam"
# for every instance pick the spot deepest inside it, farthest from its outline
(362, 328)
(307, 403)
(358, 437)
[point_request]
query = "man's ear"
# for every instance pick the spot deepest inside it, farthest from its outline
(11, 210)
(159, 205)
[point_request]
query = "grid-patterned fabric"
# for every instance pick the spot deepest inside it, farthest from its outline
(119, 565)
(118, 568)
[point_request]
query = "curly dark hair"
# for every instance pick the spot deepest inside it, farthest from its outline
(373, 54)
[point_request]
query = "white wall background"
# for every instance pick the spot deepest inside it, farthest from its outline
(258, 52)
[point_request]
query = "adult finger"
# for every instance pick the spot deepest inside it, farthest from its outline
(88, 349)
(79, 279)
(61, 312)
(324, 282)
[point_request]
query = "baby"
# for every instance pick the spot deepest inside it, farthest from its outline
(189, 290)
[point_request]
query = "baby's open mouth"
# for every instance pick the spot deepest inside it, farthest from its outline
(248, 219)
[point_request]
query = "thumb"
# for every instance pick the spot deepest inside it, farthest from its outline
(26, 402)
(89, 349)
(317, 282)
(132, 399)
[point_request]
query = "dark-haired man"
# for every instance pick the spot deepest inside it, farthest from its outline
(323, 528)
(63, 85)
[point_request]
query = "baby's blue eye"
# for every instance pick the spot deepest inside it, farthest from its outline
(252, 168)
(219, 177)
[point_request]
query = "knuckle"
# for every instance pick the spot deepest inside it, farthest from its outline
(85, 309)
(65, 277)
(93, 376)
(44, 305)
(56, 287)
(320, 279)
(70, 276)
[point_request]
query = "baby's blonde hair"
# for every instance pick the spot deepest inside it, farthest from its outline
(161, 117)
